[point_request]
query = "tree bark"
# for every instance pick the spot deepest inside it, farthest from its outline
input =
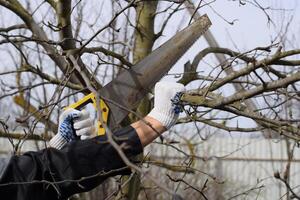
(143, 43)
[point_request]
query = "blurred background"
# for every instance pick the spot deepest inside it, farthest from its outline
(238, 137)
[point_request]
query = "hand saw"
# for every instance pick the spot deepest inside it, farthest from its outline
(124, 92)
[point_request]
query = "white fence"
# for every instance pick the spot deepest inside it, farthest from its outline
(244, 167)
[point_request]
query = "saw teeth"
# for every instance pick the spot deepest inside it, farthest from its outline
(125, 91)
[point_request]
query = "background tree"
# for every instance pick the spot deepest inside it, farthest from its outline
(237, 91)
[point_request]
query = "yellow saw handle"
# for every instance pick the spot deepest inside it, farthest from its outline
(90, 98)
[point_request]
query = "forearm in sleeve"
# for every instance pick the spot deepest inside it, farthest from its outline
(78, 167)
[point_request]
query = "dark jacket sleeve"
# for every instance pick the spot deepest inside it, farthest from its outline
(78, 167)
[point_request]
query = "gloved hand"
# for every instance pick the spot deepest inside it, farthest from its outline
(165, 109)
(72, 124)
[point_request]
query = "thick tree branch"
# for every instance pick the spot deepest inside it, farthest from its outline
(38, 33)
(63, 10)
(218, 125)
(269, 86)
(20, 101)
(14, 27)
(20, 136)
(108, 53)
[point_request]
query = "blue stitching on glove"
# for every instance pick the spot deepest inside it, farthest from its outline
(66, 128)
(176, 103)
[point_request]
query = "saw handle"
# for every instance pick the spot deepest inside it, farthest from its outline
(90, 98)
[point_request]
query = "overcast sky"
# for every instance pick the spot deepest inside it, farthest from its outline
(250, 26)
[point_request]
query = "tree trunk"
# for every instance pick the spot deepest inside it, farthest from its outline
(143, 43)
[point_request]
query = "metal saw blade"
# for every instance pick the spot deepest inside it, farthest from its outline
(124, 93)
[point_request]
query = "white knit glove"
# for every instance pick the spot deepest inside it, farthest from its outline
(72, 125)
(165, 111)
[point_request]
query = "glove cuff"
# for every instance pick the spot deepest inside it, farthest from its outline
(57, 142)
(167, 117)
